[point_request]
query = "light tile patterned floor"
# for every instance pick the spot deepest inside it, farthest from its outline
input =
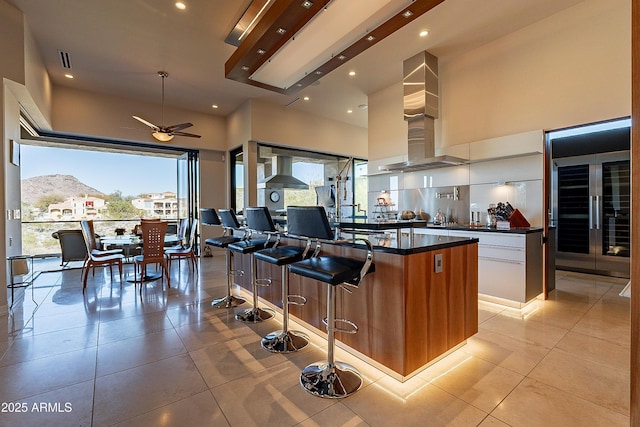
(111, 357)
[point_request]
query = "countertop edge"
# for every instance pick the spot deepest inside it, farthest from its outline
(526, 230)
(432, 247)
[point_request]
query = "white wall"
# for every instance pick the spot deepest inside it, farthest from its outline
(213, 187)
(571, 68)
(291, 128)
(387, 128)
(37, 99)
(90, 113)
(11, 46)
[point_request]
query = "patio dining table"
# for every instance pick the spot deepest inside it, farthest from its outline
(129, 242)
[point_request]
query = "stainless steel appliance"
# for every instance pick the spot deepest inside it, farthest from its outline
(591, 209)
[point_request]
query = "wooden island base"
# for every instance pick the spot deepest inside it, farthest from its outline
(407, 314)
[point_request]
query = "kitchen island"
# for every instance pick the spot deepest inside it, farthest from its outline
(421, 301)
(510, 266)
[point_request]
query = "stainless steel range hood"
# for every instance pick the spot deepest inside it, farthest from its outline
(283, 178)
(420, 110)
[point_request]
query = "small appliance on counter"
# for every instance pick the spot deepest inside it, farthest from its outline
(384, 209)
(439, 218)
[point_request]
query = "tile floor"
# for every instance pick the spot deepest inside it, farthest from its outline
(112, 358)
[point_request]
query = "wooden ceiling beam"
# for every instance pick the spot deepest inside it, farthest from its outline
(291, 16)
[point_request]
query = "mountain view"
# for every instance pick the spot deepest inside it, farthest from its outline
(34, 188)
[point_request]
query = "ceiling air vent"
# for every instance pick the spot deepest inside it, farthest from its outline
(65, 61)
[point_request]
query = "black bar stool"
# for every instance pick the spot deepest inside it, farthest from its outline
(256, 222)
(282, 341)
(328, 378)
(229, 223)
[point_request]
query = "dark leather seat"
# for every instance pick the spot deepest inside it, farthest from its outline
(331, 269)
(329, 378)
(222, 241)
(248, 246)
(229, 222)
(280, 255)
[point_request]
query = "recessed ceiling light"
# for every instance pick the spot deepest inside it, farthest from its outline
(370, 38)
(349, 111)
(407, 14)
(261, 51)
(69, 76)
(352, 73)
(363, 106)
(307, 4)
(180, 5)
(214, 106)
(281, 30)
(244, 68)
(306, 98)
(318, 72)
(424, 33)
(342, 57)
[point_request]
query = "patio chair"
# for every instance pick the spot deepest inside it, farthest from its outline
(153, 233)
(72, 246)
(97, 257)
(186, 250)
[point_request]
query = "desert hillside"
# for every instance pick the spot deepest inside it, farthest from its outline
(64, 185)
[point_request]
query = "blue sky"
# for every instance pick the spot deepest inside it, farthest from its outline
(106, 172)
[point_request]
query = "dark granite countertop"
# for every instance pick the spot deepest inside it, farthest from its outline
(421, 243)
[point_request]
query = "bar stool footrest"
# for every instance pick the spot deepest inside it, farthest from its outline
(255, 315)
(284, 342)
(352, 330)
(333, 381)
(227, 302)
(236, 273)
(294, 299)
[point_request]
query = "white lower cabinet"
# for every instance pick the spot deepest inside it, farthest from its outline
(509, 265)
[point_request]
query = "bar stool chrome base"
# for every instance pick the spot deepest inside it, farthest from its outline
(284, 342)
(254, 315)
(333, 381)
(228, 301)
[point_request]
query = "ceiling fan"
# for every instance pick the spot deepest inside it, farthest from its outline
(162, 133)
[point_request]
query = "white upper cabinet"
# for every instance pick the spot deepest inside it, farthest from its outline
(520, 144)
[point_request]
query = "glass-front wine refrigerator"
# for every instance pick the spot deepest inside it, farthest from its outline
(591, 210)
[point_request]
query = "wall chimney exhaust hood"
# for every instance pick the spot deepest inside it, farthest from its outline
(283, 178)
(420, 85)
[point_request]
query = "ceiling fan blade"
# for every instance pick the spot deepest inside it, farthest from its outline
(178, 126)
(151, 125)
(192, 135)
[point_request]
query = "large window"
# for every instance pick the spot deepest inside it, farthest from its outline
(114, 186)
(288, 177)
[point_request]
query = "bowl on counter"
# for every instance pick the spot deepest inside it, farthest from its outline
(407, 215)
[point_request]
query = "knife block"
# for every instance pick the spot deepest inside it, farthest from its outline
(517, 220)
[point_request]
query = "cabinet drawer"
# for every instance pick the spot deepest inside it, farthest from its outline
(501, 253)
(494, 239)
(502, 279)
